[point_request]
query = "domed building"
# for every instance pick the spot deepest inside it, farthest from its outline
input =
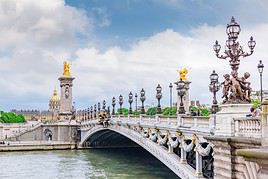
(54, 104)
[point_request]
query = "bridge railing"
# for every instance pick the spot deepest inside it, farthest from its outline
(189, 122)
(178, 121)
(195, 121)
(248, 127)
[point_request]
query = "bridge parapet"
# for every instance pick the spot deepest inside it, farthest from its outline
(198, 123)
(248, 127)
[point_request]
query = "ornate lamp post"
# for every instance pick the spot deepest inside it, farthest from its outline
(120, 103)
(142, 98)
(83, 115)
(181, 92)
(113, 104)
(158, 97)
(108, 110)
(130, 100)
(214, 88)
(234, 52)
(91, 112)
(104, 105)
(260, 68)
(99, 107)
(170, 94)
(136, 102)
(88, 113)
(95, 111)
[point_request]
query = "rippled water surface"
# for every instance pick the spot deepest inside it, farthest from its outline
(94, 163)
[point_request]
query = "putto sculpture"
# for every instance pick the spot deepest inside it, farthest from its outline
(235, 89)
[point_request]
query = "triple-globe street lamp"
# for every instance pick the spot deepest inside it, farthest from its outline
(233, 49)
(99, 107)
(95, 111)
(142, 98)
(88, 113)
(214, 87)
(130, 100)
(120, 103)
(104, 105)
(136, 102)
(181, 92)
(113, 104)
(233, 52)
(260, 69)
(170, 94)
(91, 112)
(158, 97)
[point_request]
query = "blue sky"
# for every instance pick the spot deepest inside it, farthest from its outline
(117, 46)
(131, 20)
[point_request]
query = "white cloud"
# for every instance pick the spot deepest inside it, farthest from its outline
(101, 75)
(43, 23)
(41, 35)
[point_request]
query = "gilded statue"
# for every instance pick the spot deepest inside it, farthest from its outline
(66, 69)
(182, 74)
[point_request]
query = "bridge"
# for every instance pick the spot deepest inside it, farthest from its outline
(177, 141)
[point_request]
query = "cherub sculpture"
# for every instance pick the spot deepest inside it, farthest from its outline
(237, 93)
(245, 86)
(226, 87)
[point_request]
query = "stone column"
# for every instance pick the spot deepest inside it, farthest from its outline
(185, 99)
(170, 149)
(183, 155)
(1, 132)
(264, 124)
(66, 84)
(198, 158)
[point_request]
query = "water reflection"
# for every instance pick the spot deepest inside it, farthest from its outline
(128, 163)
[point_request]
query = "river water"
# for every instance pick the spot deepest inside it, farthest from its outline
(131, 163)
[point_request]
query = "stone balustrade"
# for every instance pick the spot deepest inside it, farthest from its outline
(247, 127)
(196, 123)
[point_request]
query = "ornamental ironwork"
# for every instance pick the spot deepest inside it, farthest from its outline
(236, 89)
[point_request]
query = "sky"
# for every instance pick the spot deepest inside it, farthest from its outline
(117, 46)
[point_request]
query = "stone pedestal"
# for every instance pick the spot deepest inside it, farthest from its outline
(264, 124)
(66, 84)
(225, 118)
(186, 100)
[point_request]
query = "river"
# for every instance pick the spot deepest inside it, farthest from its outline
(129, 163)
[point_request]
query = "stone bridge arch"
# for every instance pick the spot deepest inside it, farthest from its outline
(171, 160)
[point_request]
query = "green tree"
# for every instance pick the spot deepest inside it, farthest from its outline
(10, 117)
(123, 111)
(136, 113)
(151, 111)
(255, 103)
(169, 111)
(204, 111)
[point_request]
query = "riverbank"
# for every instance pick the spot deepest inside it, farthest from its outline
(36, 146)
